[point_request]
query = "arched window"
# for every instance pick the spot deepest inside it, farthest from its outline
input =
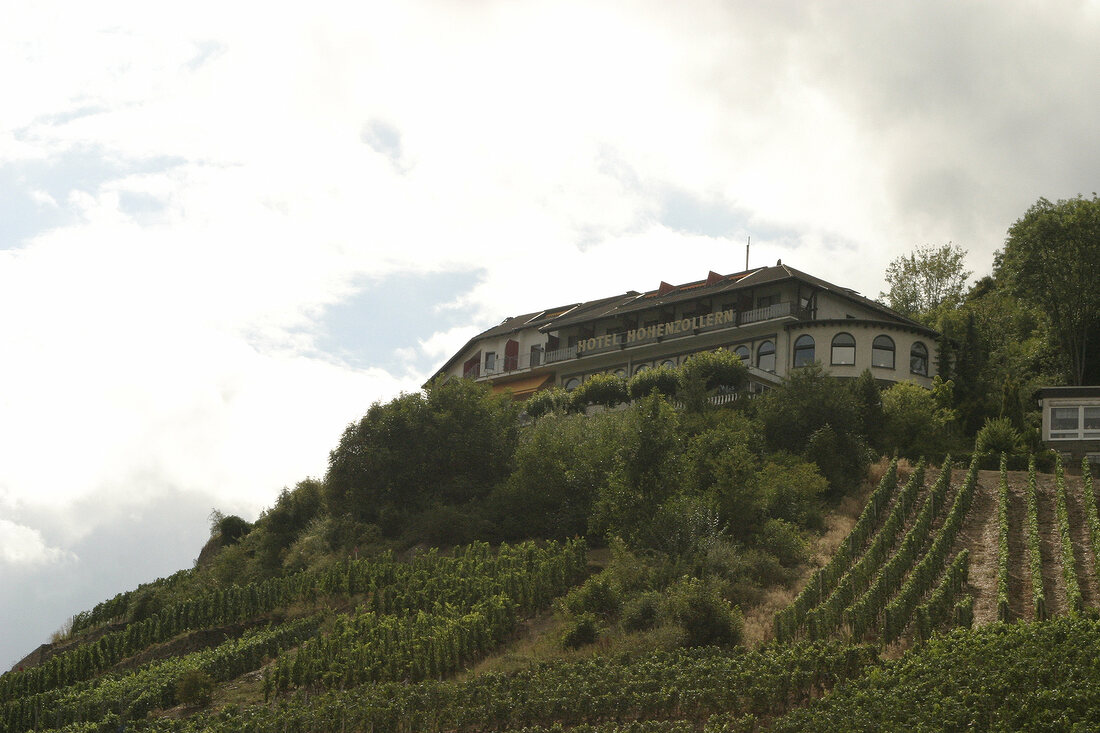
(572, 383)
(641, 368)
(765, 357)
(669, 363)
(918, 359)
(743, 352)
(803, 350)
(882, 352)
(844, 349)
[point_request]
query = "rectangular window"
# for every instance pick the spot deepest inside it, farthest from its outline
(1063, 419)
(844, 355)
(1092, 422)
(882, 358)
(1080, 422)
(490, 361)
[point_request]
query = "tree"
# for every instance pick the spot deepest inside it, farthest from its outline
(1050, 260)
(917, 422)
(927, 280)
(796, 413)
(451, 444)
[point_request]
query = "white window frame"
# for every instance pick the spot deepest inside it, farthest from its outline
(1079, 432)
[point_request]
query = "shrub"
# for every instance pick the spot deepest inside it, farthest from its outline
(782, 539)
(715, 369)
(842, 459)
(997, 436)
(640, 613)
(548, 401)
(706, 617)
(596, 596)
(601, 389)
(663, 380)
(580, 631)
(194, 687)
(916, 423)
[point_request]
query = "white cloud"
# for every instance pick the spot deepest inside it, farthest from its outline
(24, 546)
(224, 194)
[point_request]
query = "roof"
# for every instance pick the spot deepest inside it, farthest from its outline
(632, 302)
(1081, 391)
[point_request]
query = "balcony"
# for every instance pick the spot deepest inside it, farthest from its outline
(637, 337)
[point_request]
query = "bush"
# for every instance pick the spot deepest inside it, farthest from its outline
(640, 613)
(715, 369)
(997, 436)
(596, 596)
(842, 459)
(194, 687)
(663, 380)
(782, 539)
(560, 463)
(580, 631)
(917, 425)
(706, 617)
(600, 389)
(548, 401)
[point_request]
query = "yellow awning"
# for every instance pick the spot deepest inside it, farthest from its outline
(524, 387)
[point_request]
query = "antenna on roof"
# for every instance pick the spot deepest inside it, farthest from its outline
(747, 243)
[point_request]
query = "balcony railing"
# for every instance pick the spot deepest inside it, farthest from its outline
(620, 340)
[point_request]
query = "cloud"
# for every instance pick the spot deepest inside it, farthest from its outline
(24, 546)
(188, 202)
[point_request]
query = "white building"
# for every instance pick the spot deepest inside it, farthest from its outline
(775, 318)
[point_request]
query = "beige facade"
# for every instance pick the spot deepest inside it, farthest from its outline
(775, 318)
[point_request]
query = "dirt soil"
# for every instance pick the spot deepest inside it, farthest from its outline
(979, 535)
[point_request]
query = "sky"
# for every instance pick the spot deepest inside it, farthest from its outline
(227, 228)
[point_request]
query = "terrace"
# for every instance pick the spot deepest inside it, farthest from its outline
(631, 339)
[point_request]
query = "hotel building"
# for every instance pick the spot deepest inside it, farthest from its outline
(775, 318)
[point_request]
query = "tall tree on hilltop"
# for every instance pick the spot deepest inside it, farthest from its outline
(1051, 260)
(926, 280)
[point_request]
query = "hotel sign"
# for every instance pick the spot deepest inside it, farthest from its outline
(682, 326)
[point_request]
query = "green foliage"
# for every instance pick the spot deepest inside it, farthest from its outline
(452, 443)
(596, 596)
(645, 476)
(997, 436)
(927, 280)
(682, 526)
(685, 686)
(716, 369)
(560, 464)
(916, 422)
(1003, 610)
(782, 539)
(281, 525)
(1069, 565)
(1034, 558)
(998, 350)
(663, 380)
(600, 389)
(641, 612)
(194, 687)
(580, 631)
(554, 400)
(1050, 259)
(822, 583)
(230, 529)
(707, 373)
(1002, 677)
(1088, 499)
(707, 618)
(807, 401)
(869, 403)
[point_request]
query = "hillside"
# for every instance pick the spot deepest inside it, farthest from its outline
(375, 644)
